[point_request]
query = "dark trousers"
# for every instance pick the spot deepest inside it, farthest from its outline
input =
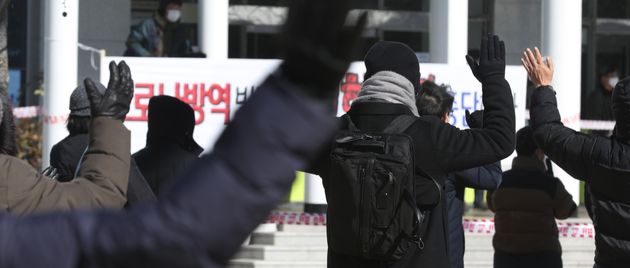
(544, 259)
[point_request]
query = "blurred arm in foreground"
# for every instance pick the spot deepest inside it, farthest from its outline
(202, 221)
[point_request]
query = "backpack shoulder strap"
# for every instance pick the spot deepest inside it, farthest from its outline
(400, 124)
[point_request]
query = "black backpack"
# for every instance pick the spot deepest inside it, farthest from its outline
(370, 189)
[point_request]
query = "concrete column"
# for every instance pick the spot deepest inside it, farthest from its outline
(213, 28)
(448, 31)
(314, 194)
(562, 41)
(60, 68)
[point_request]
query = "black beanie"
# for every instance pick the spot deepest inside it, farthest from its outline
(396, 57)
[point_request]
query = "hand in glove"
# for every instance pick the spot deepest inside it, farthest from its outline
(115, 102)
(491, 59)
(51, 172)
(318, 49)
(474, 120)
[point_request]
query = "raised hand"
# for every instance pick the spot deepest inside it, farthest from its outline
(116, 99)
(491, 59)
(539, 71)
(318, 48)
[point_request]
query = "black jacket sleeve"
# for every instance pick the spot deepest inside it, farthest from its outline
(456, 149)
(572, 151)
(203, 220)
(487, 177)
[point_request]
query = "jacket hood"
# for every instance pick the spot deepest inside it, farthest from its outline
(172, 121)
(621, 109)
(7, 127)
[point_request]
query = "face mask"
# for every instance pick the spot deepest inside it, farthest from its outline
(173, 15)
(613, 81)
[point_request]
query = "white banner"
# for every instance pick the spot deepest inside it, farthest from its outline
(216, 89)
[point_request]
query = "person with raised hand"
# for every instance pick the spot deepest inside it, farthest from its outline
(387, 97)
(603, 163)
(101, 182)
(203, 220)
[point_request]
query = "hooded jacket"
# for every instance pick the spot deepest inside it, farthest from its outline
(526, 206)
(170, 147)
(603, 163)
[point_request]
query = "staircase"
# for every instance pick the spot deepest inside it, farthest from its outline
(304, 246)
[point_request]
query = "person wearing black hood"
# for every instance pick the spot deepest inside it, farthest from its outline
(161, 35)
(603, 163)
(170, 146)
(391, 83)
(66, 155)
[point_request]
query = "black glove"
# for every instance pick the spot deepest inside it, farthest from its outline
(51, 172)
(491, 59)
(474, 120)
(318, 49)
(115, 102)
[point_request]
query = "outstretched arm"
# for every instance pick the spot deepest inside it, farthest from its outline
(569, 149)
(486, 177)
(460, 149)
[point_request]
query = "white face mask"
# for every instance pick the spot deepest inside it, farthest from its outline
(613, 81)
(173, 15)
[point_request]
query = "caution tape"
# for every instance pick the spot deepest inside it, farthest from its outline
(478, 226)
(298, 218)
(27, 112)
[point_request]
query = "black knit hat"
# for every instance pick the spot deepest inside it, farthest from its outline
(79, 102)
(396, 57)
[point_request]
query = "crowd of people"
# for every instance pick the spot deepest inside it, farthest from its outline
(393, 168)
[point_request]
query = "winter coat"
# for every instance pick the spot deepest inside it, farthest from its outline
(487, 177)
(439, 148)
(102, 180)
(161, 163)
(603, 163)
(156, 37)
(526, 206)
(66, 156)
(202, 221)
(599, 107)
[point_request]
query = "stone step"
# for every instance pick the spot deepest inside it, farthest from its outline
(565, 264)
(302, 228)
(282, 253)
(247, 263)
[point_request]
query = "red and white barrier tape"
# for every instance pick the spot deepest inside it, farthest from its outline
(296, 218)
(27, 112)
(479, 226)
